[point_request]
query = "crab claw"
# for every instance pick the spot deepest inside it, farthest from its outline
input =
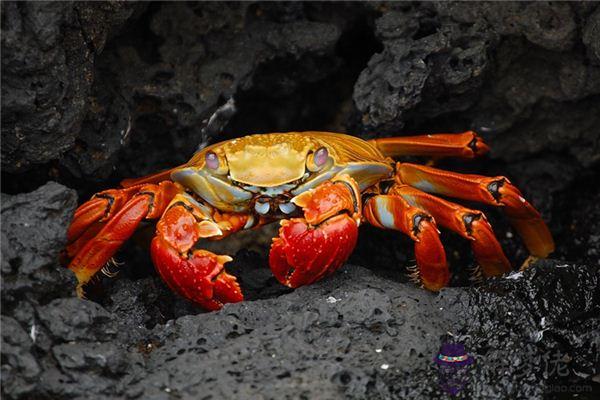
(315, 246)
(200, 278)
(197, 275)
(329, 199)
(303, 254)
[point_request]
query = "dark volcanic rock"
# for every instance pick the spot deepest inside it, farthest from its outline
(355, 335)
(33, 231)
(591, 37)
(73, 319)
(20, 369)
(511, 71)
(360, 336)
(423, 62)
(48, 53)
(580, 226)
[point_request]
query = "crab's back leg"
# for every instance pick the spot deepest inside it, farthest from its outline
(90, 252)
(470, 224)
(496, 191)
(391, 211)
(93, 214)
(154, 178)
(465, 145)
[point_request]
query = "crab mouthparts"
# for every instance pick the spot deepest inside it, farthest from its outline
(275, 206)
(262, 207)
(275, 201)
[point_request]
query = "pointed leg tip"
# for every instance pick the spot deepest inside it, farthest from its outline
(434, 285)
(80, 292)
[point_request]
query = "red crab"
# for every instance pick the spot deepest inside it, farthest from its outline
(321, 186)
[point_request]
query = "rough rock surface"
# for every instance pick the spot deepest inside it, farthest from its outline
(48, 55)
(518, 73)
(33, 230)
(95, 92)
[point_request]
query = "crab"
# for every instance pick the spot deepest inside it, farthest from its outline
(320, 186)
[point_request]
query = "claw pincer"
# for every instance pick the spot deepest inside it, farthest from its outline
(197, 275)
(310, 248)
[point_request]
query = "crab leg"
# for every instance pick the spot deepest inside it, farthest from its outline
(496, 191)
(465, 145)
(91, 252)
(198, 275)
(470, 224)
(310, 248)
(92, 215)
(154, 178)
(394, 212)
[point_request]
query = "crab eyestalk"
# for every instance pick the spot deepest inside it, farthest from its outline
(311, 248)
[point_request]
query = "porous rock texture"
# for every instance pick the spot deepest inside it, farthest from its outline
(95, 92)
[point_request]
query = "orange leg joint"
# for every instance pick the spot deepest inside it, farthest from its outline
(104, 223)
(470, 224)
(393, 212)
(464, 145)
(310, 248)
(496, 191)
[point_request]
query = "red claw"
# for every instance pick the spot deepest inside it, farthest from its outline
(303, 254)
(313, 247)
(197, 275)
(200, 278)
(328, 200)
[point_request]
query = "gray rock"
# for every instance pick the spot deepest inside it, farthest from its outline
(591, 37)
(357, 335)
(20, 369)
(33, 233)
(90, 357)
(74, 319)
(48, 53)
(436, 59)
(436, 63)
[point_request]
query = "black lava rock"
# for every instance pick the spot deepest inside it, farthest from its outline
(48, 55)
(33, 232)
(20, 369)
(355, 335)
(515, 72)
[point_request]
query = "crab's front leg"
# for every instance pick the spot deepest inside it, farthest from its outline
(198, 275)
(313, 247)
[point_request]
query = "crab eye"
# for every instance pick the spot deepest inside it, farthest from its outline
(320, 157)
(212, 161)
(317, 160)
